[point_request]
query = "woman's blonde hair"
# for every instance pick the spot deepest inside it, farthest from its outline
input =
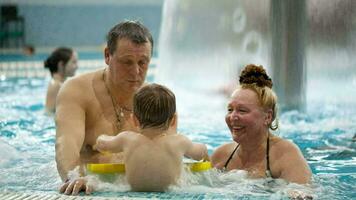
(255, 78)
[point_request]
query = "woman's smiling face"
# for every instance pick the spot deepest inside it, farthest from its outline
(245, 117)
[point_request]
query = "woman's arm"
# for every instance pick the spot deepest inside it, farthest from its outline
(292, 164)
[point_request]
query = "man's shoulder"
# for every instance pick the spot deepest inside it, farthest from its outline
(83, 78)
(82, 81)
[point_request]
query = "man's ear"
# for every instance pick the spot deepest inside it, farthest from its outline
(135, 121)
(107, 55)
(268, 117)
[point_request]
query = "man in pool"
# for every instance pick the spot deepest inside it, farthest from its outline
(153, 156)
(100, 102)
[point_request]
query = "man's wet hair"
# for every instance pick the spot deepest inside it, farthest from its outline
(132, 30)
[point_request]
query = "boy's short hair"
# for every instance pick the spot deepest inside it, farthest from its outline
(154, 106)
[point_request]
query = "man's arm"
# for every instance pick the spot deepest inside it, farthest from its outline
(70, 127)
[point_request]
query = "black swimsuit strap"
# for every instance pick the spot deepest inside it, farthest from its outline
(267, 157)
(228, 160)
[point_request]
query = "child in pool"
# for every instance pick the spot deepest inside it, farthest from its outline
(153, 156)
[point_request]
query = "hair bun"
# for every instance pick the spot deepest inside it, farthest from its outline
(253, 74)
(47, 63)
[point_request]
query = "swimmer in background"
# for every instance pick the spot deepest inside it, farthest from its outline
(29, 50)
(62, 63)
(153, 156)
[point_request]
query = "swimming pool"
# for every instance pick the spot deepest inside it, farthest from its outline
(324, 134)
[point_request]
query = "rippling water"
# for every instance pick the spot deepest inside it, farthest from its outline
(324, 134)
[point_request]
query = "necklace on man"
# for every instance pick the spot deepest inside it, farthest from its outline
(119, 110)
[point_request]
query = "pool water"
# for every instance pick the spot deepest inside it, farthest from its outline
(324, 134)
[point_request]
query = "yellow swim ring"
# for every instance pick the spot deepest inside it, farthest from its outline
(106, 168)
(199, 166)
(109, 168)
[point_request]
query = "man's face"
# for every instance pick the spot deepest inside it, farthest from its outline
(128, 64)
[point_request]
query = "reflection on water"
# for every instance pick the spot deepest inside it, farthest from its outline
(324, 136)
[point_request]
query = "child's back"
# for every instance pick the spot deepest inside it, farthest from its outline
(153, 157)
(154, 164)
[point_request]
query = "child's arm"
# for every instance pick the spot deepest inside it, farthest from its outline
(113, 144)
(196, 151)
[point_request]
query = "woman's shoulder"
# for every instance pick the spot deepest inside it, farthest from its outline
(280, 146)
(281, 142)
(224, 149)
(218, 158)
(54, 85)
(288, 161)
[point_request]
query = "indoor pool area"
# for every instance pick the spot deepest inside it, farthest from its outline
(201, 46)
(324, 134)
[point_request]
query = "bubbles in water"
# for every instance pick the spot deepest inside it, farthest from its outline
(7, 153)
(108, 182)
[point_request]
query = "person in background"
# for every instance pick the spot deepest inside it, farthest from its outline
(251, 116)
(154, 155)
(100, 102)
(62, 63)
(29, 50)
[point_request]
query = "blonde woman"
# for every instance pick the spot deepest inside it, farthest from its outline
(251, 115)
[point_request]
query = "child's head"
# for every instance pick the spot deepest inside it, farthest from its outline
(154, 106)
